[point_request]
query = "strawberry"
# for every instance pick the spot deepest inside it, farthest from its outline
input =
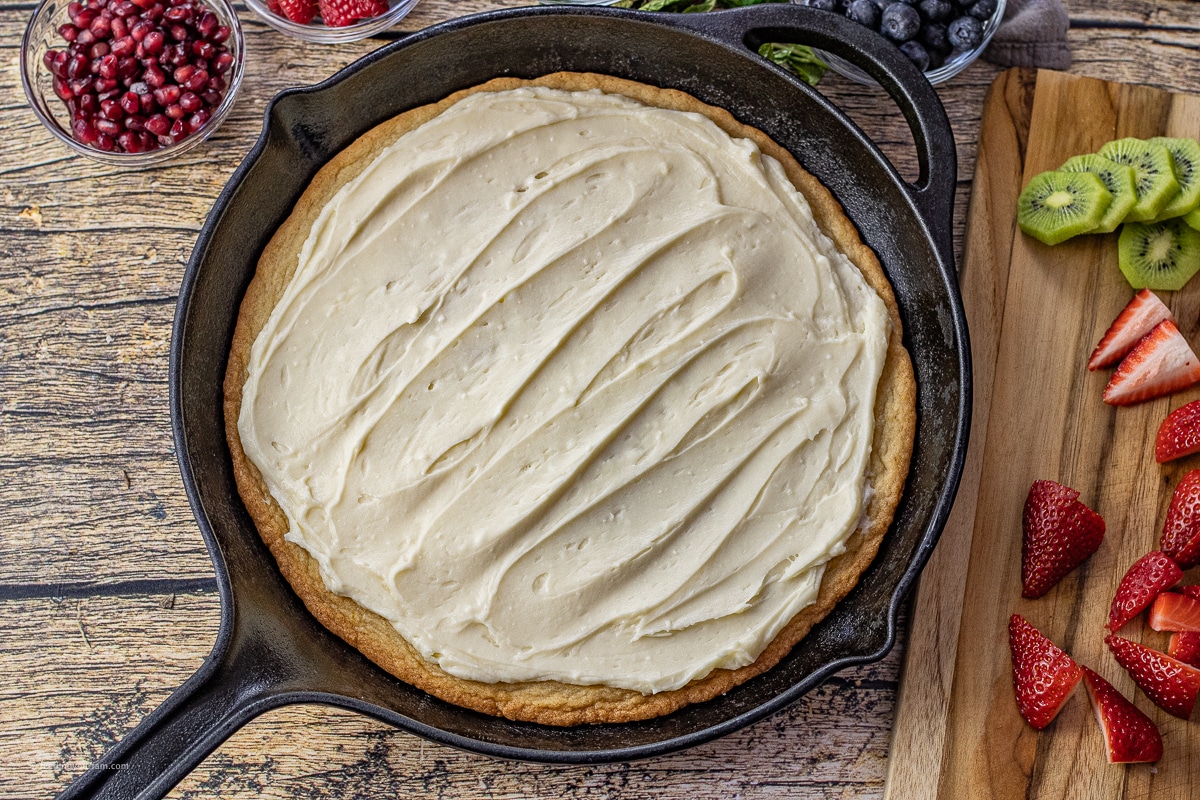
(301, 11)
(1059, 533)
(1185, 647)
(1175, 612)
(1179, 434)
(340, 13)
(1172, 685)
(1150, 575)
(1160, 363)
(1138, 318)
(1181, 529)
(1130, 737)
(1043, 675)
(1191, 591)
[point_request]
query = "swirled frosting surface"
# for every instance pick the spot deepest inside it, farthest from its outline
(569, 387)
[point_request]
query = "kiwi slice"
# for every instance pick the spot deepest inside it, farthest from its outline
(1058, 205)
(1117, 178)
(1185, 154)
(1159, 255)
(1193, 219)
(1154, 174)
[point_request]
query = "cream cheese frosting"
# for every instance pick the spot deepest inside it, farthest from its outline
(567, 387)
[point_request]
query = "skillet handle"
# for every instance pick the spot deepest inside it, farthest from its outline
(750, 26)
(178, 735)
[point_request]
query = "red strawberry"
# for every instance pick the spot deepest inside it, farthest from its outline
(1160, 363)
(1138, 318)
(1175, 612)
(1172, 685)
(1181, 529)
(1060, 532)
(1043, 675)
(1179, 434)
(1129, 735)
(1185, 647)
(1150, 575)
(340, 13)
(1191, 591)
(301, 11)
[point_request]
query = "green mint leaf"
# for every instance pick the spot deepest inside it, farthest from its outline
(796, 58)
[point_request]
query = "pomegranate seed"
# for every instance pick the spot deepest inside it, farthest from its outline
(128, 142)
(184, 72)
(223, 62)
(50, 62)
(63, 90)
(139, 29)
(112, 109)
(73, 8)
(216, 83)
(190, 102)
(143, 4)
(178, 129)
(174, 111)
(148, 103)
(108, 68)
(100, 27)
(198, 81)
(220, 34)
(84, 18)
(178, 31)
(178, 14)
(197, 121)
(68, 31)
(105, 142)
(107, 126)
(123, 46)
(130, 103)
(201, 63)
(155, 11)
(168, 94)
(119, 28)
(135, 123)
(158, 124)
(153, 42)
(153, 76)
(77, 67)
(126, 68)
(207, 24)
(212, 98)
(125, 9)
(102, 85)
(85, 38)
(204, 49)
(83, 131)
(147, 141)
(98, 50)
(88, 102)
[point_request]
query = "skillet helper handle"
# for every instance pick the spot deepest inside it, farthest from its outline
(178, 735)
(933, 192)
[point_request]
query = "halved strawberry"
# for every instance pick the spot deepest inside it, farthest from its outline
(1059, 533)
(1150, 575)
(1173, 611)
(1138, 318)
(1185, 647)
(1160, 363)
(1179, 434)
(301, 11)
(340, 13)
(1043, 675)
(1130, 737)
(1181, 530)
(1172, 685)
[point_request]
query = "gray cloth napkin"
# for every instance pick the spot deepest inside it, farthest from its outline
(1032, 34)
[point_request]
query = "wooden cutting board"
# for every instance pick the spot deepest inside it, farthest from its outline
(1035, 313)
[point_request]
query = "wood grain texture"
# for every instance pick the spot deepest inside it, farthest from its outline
(1037, 313)
(96, 536)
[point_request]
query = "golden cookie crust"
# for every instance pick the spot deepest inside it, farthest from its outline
(552, 702)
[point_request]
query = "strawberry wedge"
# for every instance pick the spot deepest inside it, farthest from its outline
(1137, 319)
(1150, 576)
(1160, 363)
(1059, 533)
(1043, 675)
(1185, 647)
(1172, 685)
(1130, 737)
(1175, 612)
(1179, 434)
(1181, 530)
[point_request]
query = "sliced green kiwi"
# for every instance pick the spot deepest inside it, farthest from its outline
(1185, 156)
(1058, 205)
(1117, 178)
(1154, 174)
(1159, 255)
(1192, 219)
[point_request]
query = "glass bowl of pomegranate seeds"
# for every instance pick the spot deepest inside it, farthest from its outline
(132, 82)
(331, 21)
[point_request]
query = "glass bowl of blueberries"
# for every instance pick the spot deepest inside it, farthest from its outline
(942, 37)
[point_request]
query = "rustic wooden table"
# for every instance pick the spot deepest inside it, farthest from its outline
(105, 584)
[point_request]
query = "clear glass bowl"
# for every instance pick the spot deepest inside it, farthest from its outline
(323, 34)
(42, 34)
(945, 72)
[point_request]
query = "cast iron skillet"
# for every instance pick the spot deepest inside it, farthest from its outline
(270, 652)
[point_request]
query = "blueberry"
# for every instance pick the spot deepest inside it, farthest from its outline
(901, 22)
(964, 33)
(933, 36)
(982, 10)
(864, 12)
(937, 10)
(823, 5)
(916, 54)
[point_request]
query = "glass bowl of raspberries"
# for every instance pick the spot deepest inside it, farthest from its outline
(132, 82)
(331, 21)
(942, 37)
